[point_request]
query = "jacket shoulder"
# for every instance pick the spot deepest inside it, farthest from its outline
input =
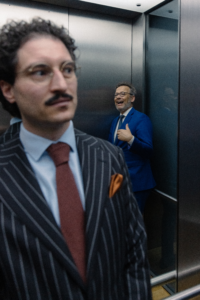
(139, 114)
(9, 147)
(95, 142)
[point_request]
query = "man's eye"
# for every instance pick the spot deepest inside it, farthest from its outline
(68, 70)
(39, 72)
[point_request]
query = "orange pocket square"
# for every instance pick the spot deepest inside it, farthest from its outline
(115, 184)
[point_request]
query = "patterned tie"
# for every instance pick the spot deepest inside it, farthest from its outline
(119, 125)
(70, 207)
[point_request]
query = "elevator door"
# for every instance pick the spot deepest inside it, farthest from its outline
(162, 81)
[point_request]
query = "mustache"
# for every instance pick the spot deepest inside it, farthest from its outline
(56, 97)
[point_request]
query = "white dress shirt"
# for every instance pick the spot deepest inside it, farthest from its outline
(116, 129)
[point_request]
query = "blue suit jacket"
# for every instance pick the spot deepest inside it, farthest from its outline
(137, 156)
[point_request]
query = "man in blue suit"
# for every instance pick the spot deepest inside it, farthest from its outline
(132, 131)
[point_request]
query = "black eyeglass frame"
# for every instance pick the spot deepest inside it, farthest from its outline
(122, 94)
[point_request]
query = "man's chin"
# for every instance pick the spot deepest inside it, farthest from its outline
(119, 109)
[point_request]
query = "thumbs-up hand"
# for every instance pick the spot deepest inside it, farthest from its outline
(124, 134)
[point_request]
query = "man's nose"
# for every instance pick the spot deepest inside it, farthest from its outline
(119, 96)
(58, 82)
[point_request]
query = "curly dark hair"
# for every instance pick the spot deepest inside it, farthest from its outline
(14, 35)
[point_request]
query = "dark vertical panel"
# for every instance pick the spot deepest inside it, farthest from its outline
(138, 60)
(162, 82)
(162, 99)
(189, 146)
(105, 59)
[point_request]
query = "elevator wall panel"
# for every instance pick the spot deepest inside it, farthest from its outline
(189, 147)
(138, 60)
(162, 99)
(104, 44)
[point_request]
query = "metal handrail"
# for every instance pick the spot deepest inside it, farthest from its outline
(162, 279)
(187, 294)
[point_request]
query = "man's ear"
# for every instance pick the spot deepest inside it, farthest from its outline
(132, 99)
(7, 90)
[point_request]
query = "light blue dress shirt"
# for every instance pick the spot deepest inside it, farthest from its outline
(35, 148)
(15, 120)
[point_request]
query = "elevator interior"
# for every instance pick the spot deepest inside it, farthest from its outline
(110, 50)
(117, 45)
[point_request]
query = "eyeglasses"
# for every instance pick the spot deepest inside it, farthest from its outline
(121, 94)
(44, 73)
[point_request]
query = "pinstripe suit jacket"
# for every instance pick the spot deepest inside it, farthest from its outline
(10, 132)
(35, 262)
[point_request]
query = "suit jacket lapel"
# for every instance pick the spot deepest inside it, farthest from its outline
(27, 202)
(128, 117)
(113, 129)
(96, 182)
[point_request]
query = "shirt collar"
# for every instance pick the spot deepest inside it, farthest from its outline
(35, 145)
(126, 112)
(15, 120)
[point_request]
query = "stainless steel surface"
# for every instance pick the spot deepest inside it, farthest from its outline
(110, 5)
(187, 294)
(162, 82)
(140, 6)
(189, 145)
(105, 59)
(162, 66)
(93, 7)
(171, 10)
(138, 60)
(164, 278)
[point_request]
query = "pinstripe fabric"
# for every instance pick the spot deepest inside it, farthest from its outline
(35, 262)
(10, 132)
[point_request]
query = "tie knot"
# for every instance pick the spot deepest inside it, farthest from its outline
(59, 153)
(121, 117)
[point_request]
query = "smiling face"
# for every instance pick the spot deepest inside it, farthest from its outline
(42, 75)
(122, 103)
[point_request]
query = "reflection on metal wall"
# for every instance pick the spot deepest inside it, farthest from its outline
(105, 59)
(189, 147)
(162, 62)
(162, 99)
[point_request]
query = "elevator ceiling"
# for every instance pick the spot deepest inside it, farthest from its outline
(140, 6)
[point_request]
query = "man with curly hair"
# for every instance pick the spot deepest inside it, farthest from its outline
(70, 226)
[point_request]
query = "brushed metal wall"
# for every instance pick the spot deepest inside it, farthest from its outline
(105, 59)
(138, 61)
(189, 147)
(162, 82)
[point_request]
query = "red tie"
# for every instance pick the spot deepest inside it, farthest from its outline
(70, 207)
